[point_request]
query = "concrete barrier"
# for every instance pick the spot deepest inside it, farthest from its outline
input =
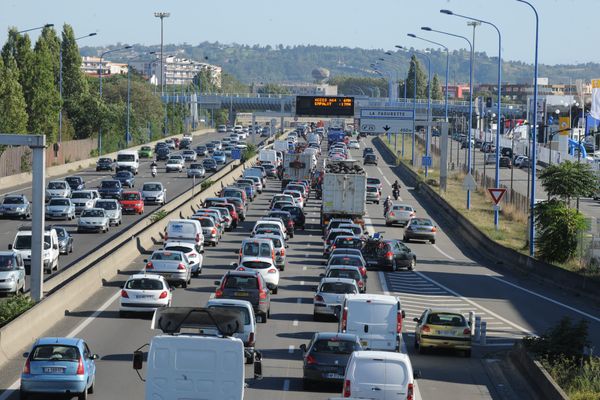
(464, 233)
(102, 265)
(19, 179)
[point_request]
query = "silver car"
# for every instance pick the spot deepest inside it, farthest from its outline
(174, 266)
(83, 199)
(174, 164)
(58, 188)
(94, 220)
(400, 214)
(195, 170)
(154, 193)
(373, 194)
(113, 210)
(330, 296)
(189, 155)
(12, 272)
(15, 205)
(59, 208)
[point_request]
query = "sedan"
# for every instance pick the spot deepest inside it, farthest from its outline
(420, 229)
(189, 155)
(326, 357)
(400, 214)
(105, 164)
(210, 165)
(174, 266)
(219, 156)
(154, 193)
(15, 206)
(353, 144)
(127, 178)
(442, 328)
(373, 194)
(174, 164)
(65, 239)
(195, 170)
(58, 188)
(58, 366)
(12, 272)
(93, 219)
(330, 296)
(201, 150)
(370, 159)
(59, 208)
(144, 293)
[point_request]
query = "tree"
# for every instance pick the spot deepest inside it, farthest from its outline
(13, 110)
(421, 80)
(436, 88)
(18, 46)
(49, 38)
(568, 179)
(74, 82)
(271, 88)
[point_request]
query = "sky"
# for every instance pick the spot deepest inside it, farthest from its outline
(565, 38)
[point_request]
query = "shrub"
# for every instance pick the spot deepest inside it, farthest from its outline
(13, 307)
(158, 215)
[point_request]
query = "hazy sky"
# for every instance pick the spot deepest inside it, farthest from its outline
(565, 37)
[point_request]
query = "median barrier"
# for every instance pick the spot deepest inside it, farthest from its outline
(57, 170)
(493, 254)
(90, 274)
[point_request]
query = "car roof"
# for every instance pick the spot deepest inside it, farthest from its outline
(58, 340)
(242, 273)
(332, 335)
(180, 244)
(236, 302)
(147, 276)
(337, 280)
(257, 240)
(385, 355)
(444, 310)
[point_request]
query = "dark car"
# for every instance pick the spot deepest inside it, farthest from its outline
(505, 162)
(210, 165)
(201, 150)
(104, 164)
(126, 178)
(297, 215)
(506, 152)
(326, 357)
(110, 189)
(287, 219)
(162, 153)
(185, 143)
(249, 286)
(388, 253)
(368, 150)
(210, 147)
(65, 239)
(240, 207)
(370, 159)
(75, 182)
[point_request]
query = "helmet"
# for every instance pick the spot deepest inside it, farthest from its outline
(389, 198)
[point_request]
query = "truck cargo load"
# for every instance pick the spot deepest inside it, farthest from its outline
(344, 195)
(281, 145)
(268, 155)
(297, 166)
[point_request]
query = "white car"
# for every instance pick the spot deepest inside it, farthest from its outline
(144, 293)
(113, 210)
(191, 250)
(263, 265)
(93, 219)
(353, 144)
(58, 188)
(189, 155)
(154, 192)
(249, 334)
(297, 196)
(175, 163)
(330, 295)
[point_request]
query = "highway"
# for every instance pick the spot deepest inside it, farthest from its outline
(83, 243)
(446, 275)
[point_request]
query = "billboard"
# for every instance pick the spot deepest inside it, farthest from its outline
(324, 106)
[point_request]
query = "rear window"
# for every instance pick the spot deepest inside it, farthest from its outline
(131, 196)
(344, 273)
(371, 372)
(55, 352)
(206, 222)
(341, 260)
(256, 264)
(337, 287)
(352, 243)
(182, 249)
(167, 255)
(241, 282)
(144, 284)
(244, 311)
(446, 319)
(372, 189)
(256, 249)
(335, 347)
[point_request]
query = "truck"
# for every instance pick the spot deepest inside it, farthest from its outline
(344, 193)
(335, 134)
(186, 363)
(280, 145)
(296, 167)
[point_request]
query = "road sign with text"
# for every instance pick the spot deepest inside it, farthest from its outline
(386, 120)
(497, 194)
(426, 161)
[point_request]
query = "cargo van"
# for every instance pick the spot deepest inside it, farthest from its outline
(185, 230)
(183, 365)
(128, 160)
(375, 318)
(50, 253)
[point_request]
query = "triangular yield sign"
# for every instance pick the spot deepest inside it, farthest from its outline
(497, 194)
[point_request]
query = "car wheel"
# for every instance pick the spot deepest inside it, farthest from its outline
(275, 290)
(432, 241)
(184, 285)
(394, 266)
(71, 248)
(422, 350)
(23, 395)
(83, 395)
(316, 317)
(413, 264)
(250, 359)
(388, 223)
(307, 384)
(91, 388)
(405, 239)
(265, 317)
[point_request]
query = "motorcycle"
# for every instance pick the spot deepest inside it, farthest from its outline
(154, 171)
(396, 194)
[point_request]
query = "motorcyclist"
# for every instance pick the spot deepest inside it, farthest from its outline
(154, 164)
(387, 204)
(396, 189)
(396, 185)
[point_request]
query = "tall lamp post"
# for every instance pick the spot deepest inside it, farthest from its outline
(35, 29)
(469, 144)
(162, 15)
(60, 84)
(499, 111)
(100, 76)
(533, 128)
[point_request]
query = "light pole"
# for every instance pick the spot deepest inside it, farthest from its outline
(35, 29)
(60, 84)
(499, 105)
(162, 16)
(100, 74)
(127, 134)
(533, 127)
(469, 144)
(414, 129)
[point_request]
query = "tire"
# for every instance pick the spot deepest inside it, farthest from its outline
(316, 317)
(416, 344)
(394, 266)
(307, 384)
(71, 248)
(83, 395)
(275, 290)
(23, 395)
(184, 285)
(282, 267)
(406, 240)
(91, 388)
(432, 241)
(422, 350)
(265, 317)
(250, 360)
(388, 223)
(413, 264)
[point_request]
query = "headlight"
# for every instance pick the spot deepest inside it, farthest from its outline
(20, 209)
(10, 279)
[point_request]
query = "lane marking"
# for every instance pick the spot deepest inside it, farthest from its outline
(442, 252)
(291, 348)
(383, 283)
(304, 268)
(286, 385)
(295, 323)
(547, 298)
(301, 282)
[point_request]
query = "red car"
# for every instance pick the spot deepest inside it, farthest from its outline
(132, 202)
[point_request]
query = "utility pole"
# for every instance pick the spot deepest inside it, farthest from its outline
(162, 16)
(474, 24)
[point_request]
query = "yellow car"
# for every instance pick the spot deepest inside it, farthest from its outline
(442, 328)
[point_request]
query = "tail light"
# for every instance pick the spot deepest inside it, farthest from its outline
(124, 294)
(433, 229)
(166, 236)
(425, 328)
(410, 392)
(181, 266)
(333, 247)
(149, 265)
(250, 341)
(262, 295)
(389, 255)
(241, 269)
(163, 295)
(240, 252)
(347, 392)
(360, 284)
(282, 252)
(272, 270)
(310, 360)
(363, 271)
(392, 214)
(213, 231)
(27, 367)
(399, 322)
(319, 298)
(80, 370)
(219, 291)
(466, 331)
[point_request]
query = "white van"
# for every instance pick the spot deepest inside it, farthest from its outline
(375, 318)
(185, 230)
(50, 253)
(128, 160)
(379, 375)
(268, 155)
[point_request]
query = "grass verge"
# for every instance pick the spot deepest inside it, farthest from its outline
(13, 307)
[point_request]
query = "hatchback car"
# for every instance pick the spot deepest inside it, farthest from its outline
(210, 165)
(105, 164)
(110, 189)
(154, 193)
(112, 208)
(388, 254)
(132, 202)
(249, 286)
(145, 152)
(15, 205)
(189, 155)
(65, 239)
(400, 214)
(12, 272)
(174, 266)
(248, 336)
(348, 272)
(373, 194)
(370, 159)
(442, 328)
(60, 208)
(174, 164)
(287, 219)
(195, 170)
(84, 199)
(329, 297)
(263, 265)
(420, 229)
(127, 178)
(93, 219)
(297, 215)
(58, 366)
(375, 182)
(75, 182)
(144, 293)
(219, 156)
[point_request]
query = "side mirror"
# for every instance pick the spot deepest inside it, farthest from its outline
(403, 314)
(287, 245)
(235, 265)
(321, 275)
(145, 260)
(138, 359)
(94, 357)
(417, 320)
(55, 247)
(26, 354)
(271, 286)
(201, 251)
(303, 347)
(417, 374)
(10, 246)
(235, 251)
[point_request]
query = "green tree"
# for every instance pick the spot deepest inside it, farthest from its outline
(557, 229)
(49, 39)
(13, 110)
(74, 82)
(421, 80)
(569, 179)
(18, 46)
(272, 88)
(357, 85)
(436, 88)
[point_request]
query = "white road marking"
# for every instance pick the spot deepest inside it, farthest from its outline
(547, 298)
(295, 323)
(291, 348)
(442, 252)
(304, 268)
(383, 283)
(302, 283)
(286, 385)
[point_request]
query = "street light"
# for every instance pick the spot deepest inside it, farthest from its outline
(60, 84)
(100, 73)
(497, 175)
(127, 135)
(533, 127)
(428, 29)
(35, 29)
(162, 16)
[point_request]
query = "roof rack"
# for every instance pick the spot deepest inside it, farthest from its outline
(170, 320)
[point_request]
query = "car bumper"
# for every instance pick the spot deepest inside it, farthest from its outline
(114, 221)
(153, 200)
(53, 384)
(89, 228)
(57, 215)
(211, 239)
(10, 214)
(419, 235)
(173, 277)
(141, 307)
(401, 221)
(327, 309)
(445, 342)
(325, 373)
(8, 287)
(133, 210)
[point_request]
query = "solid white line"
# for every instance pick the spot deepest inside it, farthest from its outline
(291, 348)
(286, 385)
(295, 323)
(547, 298)
(442, 252)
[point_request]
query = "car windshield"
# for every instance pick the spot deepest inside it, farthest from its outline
(334, 346)
(107, 205)
(206, 222)
(152, 187)
(81, 195)
(144, 284)
(57, 185)
(105, 160)
(344, 273)
(110, 184)
(341, 260)
(292, 210)
(208, 161)
(125, 157)
(196, 166)
(182, 249)
(61, 232)
(372, 189)
(73, 180)
(131, 196)
(338, 288)
(55, 352)
(421, 222)
(167, 255)
(13, 200)
(7, 263)
(446, 319)
(59, 202)
(256, 264)
(241, 282)
(92, 214)
(123, 174)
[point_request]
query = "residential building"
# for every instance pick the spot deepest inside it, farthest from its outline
(178, 71)
(91, 66)
(459, 91)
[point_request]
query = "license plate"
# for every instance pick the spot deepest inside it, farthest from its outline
(144, 296)
(166, 275)
(54, 370)
(241, 294)
(446, 333)
(371, 262)
(331, 375)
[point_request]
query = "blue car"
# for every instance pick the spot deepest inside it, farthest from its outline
(59, 366)
(219, 156)
(126, 178)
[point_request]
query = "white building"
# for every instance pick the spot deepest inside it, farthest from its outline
(91, 66)
(177, 71)
(306, 89)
